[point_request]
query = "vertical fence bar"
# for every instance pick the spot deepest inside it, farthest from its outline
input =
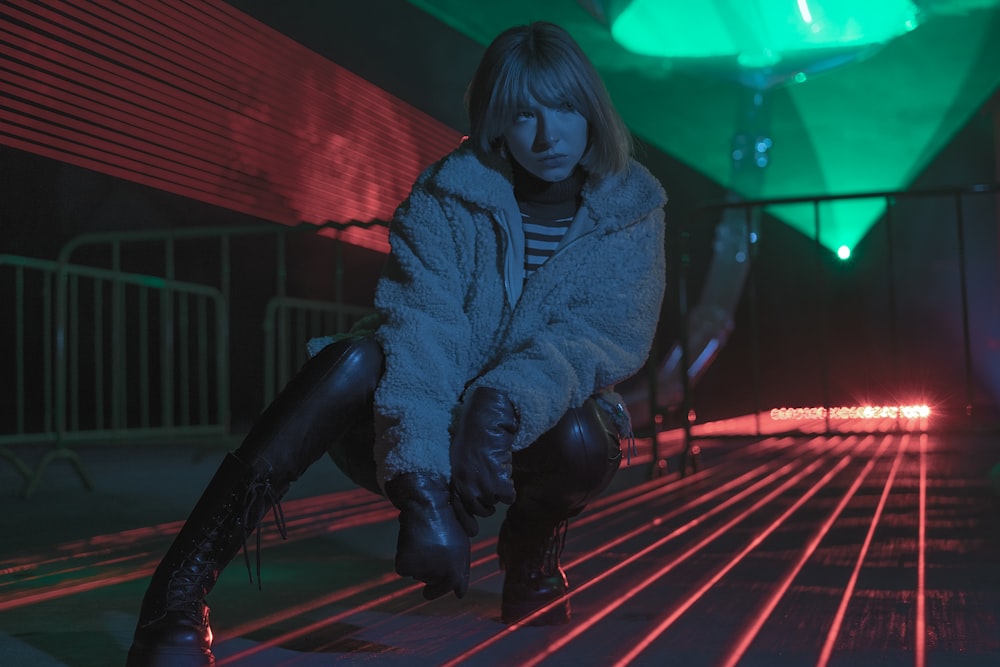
(755, 365)
(964, 288)
(48, 348)
(301, 333)
(167, 339)
(184, 362)
(59, 402)
(73, 333)
(99, 354)
(284, 324)
(683, 262)
(281, 261)
(144, 375)
(222, 342)
(117, 349)
(338, 261)
(19, 326)
(222, 364)
(654, 404)
(270, 353)
(890, 204)
(202, 317)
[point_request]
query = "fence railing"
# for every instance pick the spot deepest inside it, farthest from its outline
(910, 318)
(107, 355)
(129, 336)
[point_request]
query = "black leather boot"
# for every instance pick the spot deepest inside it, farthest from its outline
(173, 629)
(324, 401)
(555, 477)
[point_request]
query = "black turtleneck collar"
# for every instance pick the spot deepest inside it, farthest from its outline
(530, 188)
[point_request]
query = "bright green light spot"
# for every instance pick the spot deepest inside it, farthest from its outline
(758, 33)
(842, 224)
(843, 252)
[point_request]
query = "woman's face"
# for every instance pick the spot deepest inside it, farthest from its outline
(548, 142)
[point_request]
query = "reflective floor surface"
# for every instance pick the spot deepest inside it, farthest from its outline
(851, 550)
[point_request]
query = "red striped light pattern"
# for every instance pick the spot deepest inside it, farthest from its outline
(201, 100)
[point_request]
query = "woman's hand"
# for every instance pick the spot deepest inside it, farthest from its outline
(432, 546)
(481, 456)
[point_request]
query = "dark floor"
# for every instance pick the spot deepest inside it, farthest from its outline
(856, 550)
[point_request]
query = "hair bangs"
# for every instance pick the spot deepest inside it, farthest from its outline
(553, 86)
(549, 83)
(541, 61)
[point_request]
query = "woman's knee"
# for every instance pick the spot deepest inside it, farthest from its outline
(572, 462)
(359, 362)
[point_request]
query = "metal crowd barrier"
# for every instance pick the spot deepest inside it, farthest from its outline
(129, 351)
(107, 355)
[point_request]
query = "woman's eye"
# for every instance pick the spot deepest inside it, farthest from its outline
(567, 106)
(523, 115)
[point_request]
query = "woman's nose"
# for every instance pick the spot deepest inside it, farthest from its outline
(546, 133)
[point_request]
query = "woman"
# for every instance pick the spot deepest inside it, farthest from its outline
(524, 281)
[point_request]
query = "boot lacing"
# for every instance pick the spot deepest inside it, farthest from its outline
(259, 494)
(553, 549)
(188, 587)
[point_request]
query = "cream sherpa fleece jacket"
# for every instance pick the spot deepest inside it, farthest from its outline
(454, 314)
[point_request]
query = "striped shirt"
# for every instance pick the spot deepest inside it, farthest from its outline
(547, 209)
(542, 235)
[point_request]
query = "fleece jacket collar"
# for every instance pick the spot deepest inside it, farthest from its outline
(487, 181)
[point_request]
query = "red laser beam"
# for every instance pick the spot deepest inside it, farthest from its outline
(920, 627)
(662, 626)
(838, 618)
(205, 102)
(613, 503)
(583, 627)
(760, 616)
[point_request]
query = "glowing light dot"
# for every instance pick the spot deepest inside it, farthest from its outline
(843, 252)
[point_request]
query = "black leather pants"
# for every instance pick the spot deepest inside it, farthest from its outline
(558, 474)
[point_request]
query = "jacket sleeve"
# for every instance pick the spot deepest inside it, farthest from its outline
(587, 326)
(420, 300)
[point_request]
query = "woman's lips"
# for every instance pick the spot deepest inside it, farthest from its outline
(552, 159)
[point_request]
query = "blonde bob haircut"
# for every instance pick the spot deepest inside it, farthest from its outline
(542, 60)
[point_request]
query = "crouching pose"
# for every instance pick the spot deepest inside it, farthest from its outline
(524, 282)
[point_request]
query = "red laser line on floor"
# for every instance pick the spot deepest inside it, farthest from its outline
(838, 617)
(615, 504)
(488, 545)
(312, 627)
(580, 629)
(661, 627)
(761, 615)
(920, 650)
(271, 619)
(338, 519)
(616, 507)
